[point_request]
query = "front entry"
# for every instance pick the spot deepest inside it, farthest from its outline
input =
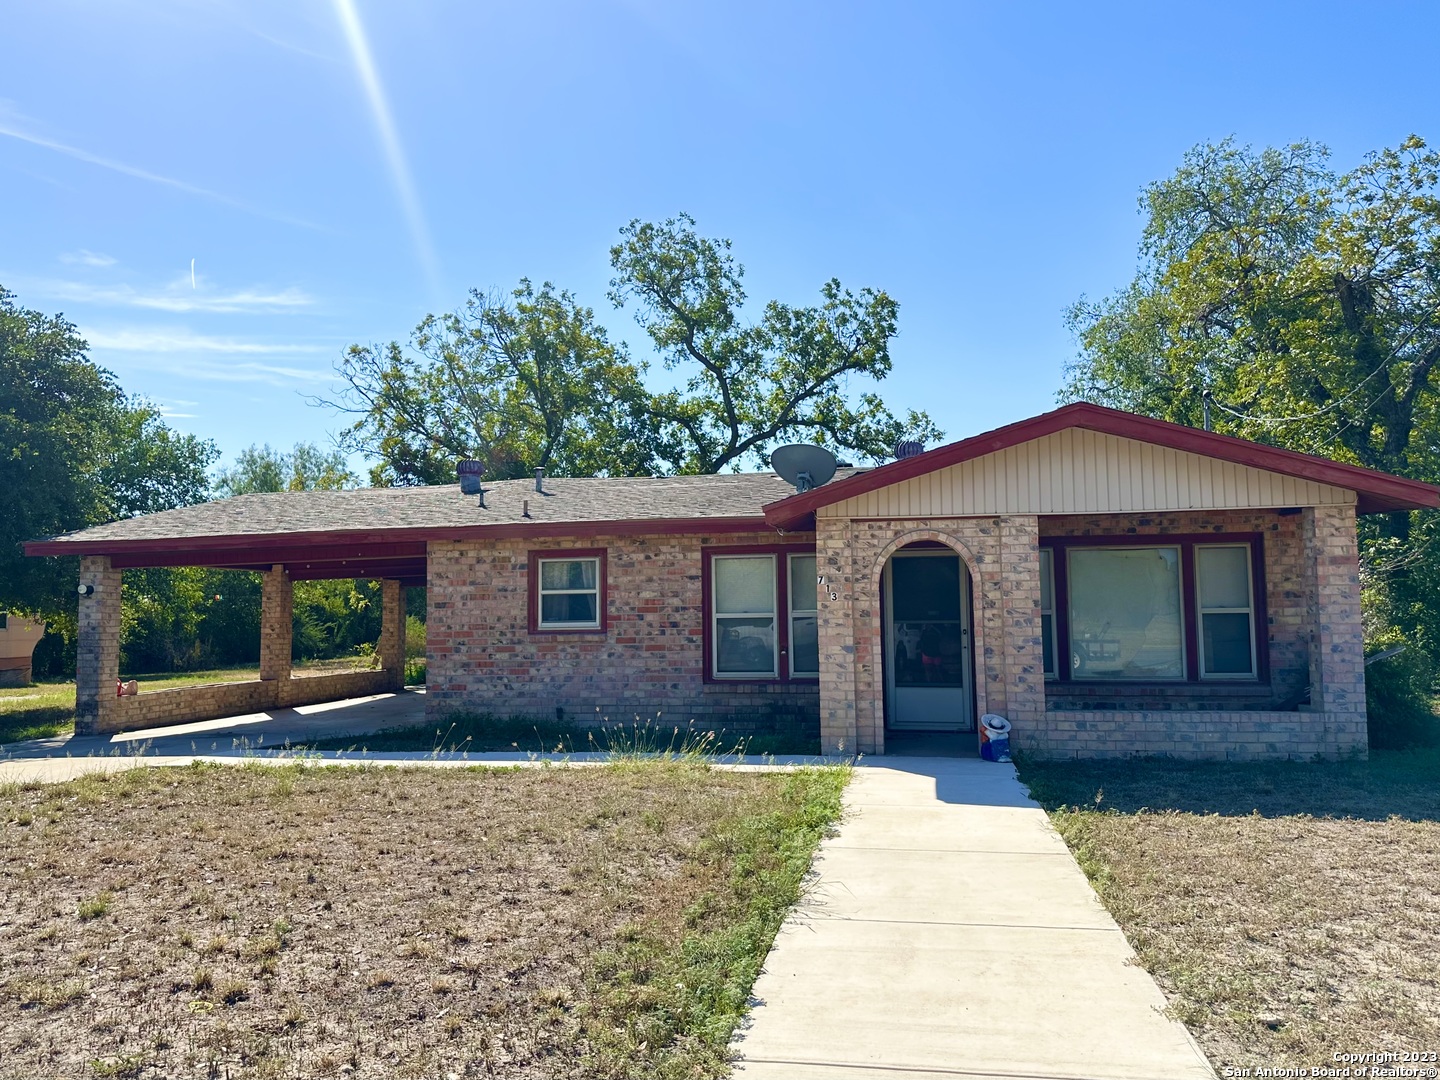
(927, 642)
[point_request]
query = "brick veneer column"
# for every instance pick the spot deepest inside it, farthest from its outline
(97, 646)
(277, 598)
(1337, 640)
(1020, 621)
(833, 561)
(392, 631)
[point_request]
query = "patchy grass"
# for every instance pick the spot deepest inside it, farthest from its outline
(375, 922)
(1288, 910)
(464, 733)
(47, 709)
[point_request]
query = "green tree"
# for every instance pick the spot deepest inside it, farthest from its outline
(305, 468)
(520, 382)
(749, 386)
(1307, 303)
(74, 451)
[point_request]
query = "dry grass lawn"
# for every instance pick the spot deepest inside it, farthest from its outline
(1289, 911)
(376, 922)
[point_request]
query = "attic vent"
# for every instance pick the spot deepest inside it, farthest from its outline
(908, 448)
(469, 472)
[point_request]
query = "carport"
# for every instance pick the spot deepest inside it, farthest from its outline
(187, 539)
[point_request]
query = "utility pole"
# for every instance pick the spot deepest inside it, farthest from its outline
(1205, 397)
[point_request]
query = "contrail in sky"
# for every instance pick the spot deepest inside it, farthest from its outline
(390, 140)
(144, 174)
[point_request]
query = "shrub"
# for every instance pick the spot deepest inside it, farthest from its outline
(1399, 695)
(414, 638)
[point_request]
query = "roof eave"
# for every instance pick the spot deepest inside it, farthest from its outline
(259, 542)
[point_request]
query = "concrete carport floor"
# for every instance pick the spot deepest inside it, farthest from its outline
(250, 732)
(948, 932)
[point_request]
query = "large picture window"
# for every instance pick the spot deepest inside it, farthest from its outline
(567, 591)
(1125, 620)
(1173, 609)
(761, 614)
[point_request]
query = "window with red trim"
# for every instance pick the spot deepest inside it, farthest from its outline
(567, 591)
(1152, 609)
(761, 616)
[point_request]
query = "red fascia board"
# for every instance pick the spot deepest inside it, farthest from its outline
(256, 546)
(1377, 491)
(221, 558)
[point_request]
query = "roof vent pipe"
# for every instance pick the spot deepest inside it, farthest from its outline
(540, 480)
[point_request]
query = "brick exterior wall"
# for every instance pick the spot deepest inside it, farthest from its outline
(1286, 569)
(1313, 638)
(649, 661)
(481, 656)
(1002, 556)
(98, 711)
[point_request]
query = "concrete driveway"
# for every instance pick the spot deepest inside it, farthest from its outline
(247, 733)
(948, 932)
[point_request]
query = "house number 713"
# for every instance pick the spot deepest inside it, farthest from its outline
(821, 582)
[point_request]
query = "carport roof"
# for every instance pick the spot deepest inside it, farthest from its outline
(383, 531)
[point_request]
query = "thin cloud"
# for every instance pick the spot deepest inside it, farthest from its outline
(173, 341)
(10, 130)
(389, 140)
(84, 257)
(177, 299)
(204, 369)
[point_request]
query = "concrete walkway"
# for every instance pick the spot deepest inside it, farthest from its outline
(247, 733)
(949, 933)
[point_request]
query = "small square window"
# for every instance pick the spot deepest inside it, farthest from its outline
(568, 590)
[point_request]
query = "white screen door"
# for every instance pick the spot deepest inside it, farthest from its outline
(927, 642)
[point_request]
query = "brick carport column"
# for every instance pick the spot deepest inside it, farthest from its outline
(392, 631)
(97, 646)
(1337, 638)
(277, 603)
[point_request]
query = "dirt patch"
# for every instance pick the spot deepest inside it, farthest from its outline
(1280, 938)
(379, 922)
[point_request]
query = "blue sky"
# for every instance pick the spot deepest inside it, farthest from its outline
(980, 163)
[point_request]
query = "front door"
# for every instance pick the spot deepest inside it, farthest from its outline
(927, 642)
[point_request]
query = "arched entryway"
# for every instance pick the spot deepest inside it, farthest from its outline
(927, 641)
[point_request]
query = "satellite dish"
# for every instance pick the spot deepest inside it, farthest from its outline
(469, 472)
(804, 465)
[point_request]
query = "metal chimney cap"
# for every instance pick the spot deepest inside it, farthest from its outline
(908, 448)
(469, 467)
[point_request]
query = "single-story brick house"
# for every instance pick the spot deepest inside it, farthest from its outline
(1109, 583)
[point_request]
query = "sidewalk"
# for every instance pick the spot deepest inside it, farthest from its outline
(949, 933)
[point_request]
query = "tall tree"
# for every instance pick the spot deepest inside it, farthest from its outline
(524, 381)
(749, 386)
(305, 468)
(1307, 304)
(74, 451)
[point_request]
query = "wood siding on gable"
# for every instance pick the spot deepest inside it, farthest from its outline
(1086, 472)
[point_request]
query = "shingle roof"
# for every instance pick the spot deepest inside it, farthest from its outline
(440, 508)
